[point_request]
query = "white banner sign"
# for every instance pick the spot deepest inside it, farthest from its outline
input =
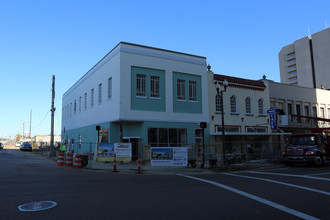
(168, 156)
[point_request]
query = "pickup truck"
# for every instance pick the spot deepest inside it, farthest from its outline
(310, 148)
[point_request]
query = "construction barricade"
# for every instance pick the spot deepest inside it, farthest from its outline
(77, 161)
(69, 159)
(60, 159)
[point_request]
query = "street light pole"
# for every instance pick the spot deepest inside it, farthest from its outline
(225, 84)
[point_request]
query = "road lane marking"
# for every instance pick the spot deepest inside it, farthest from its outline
(282, 183)
(318, 174)
(256, 198)
(291, 175)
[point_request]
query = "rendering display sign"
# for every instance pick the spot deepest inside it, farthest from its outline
(106, 151)
(168, 156)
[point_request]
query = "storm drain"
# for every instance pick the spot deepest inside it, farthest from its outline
(36, 206)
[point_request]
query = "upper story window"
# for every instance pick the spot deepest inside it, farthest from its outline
(141, 85)
(154, 86)
(233, 104)
(248, 105)
(218, 103)
(293, 78)
(289, 108)
(292, 72)
(80, 104)
(192, 91)
(261, 106)
(67, 111)
(71, 109)
(92, 97)
(292, 66)
(110, 88)
(291, 54)
(75, 106)
(100, 93)
(85, 101)
(181, 95)
(64, 112)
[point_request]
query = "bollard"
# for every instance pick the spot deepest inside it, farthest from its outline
(114, 163)
(139, 165)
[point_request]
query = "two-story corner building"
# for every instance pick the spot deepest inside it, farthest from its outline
(297, 100)
(138, 94)
(246, 122)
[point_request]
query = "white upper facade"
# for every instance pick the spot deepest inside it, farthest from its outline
(114, 84)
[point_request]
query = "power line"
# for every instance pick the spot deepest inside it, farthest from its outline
(42, 119)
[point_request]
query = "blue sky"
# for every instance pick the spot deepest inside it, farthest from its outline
(66, 38)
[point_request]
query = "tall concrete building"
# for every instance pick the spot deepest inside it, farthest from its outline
(306, 62)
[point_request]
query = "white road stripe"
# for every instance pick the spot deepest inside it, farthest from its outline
(318, 174)
(282, 183)
(256, 198)
(291, 175)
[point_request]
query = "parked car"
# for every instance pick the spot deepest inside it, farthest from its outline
(26, 146)
(1, 146)
(18, 144)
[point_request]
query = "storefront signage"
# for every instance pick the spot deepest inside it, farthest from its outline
(273, 117)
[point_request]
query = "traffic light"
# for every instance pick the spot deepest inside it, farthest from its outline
(202, 124)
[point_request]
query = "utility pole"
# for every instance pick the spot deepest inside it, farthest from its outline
(52, 119)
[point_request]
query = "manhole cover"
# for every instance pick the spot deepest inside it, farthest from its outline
(37, 206)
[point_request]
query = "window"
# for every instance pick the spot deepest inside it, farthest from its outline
(248, 108)
(298, 112)
(328, 113)
(291, 54)
(192, 91)
(322, 115)
(100, 93)
(71, 109)
(75, 107)
(293, 78)
(292, 72)
(314, 111)
(110, 88)
(256, 129)
(292, 60)
(218, 103)
(306, 108)
(92, 97)
(85, 101)
(181, 95)
(233, 105)
(154, 86)
(167, 137)
(80, 104)
(233, 129)
(141, 85)
(290, 108)
(64, 112)
(68, 111)
(261, 106)
(292, 66)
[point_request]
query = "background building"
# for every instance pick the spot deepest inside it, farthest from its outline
(143, 95)
(306, 61)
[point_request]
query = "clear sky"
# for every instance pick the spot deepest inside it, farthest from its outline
(66, 38)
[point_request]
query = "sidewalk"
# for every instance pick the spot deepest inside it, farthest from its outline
(165, 170)
(132, 167)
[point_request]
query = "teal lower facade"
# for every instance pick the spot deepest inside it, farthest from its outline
(139, 133)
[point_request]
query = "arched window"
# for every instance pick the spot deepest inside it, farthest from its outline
(233, 104)
(261, 106)
(248, 107)
(218, 103)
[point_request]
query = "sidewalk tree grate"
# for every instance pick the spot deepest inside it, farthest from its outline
(36, 206)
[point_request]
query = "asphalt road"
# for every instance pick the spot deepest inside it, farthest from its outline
(287, 193)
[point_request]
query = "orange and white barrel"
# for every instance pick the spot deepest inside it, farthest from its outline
(77, 161)
(60, 159)
(69, 159)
